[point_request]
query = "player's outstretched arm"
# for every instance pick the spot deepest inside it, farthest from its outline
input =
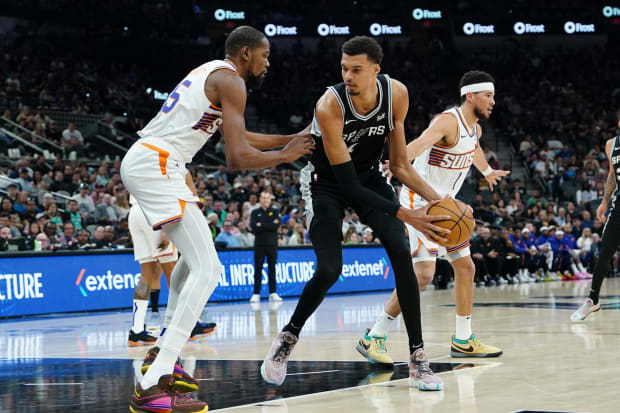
(492, 176)
(399, 164)
(329, 117)
(239, 153)
(262, 141)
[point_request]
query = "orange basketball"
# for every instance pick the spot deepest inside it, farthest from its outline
(461, 221)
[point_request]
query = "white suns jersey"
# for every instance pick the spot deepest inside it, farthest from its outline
(445, 168)
(187, 119)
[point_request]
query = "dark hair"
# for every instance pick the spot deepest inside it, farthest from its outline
(618, 114)
(474, 76)
(363, 45)
(242, 36)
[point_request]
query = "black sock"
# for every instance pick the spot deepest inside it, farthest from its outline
(594, 296)
(292, 329)
(155, 301)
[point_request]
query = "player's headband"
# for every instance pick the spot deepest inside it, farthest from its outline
(478, 87)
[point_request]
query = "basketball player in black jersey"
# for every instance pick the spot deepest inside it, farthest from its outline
(351, 124)
(611, 233)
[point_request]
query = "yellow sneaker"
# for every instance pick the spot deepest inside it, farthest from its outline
(374, 350)
(473, 348)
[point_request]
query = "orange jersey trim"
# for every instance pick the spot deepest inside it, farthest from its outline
(458, 137)
(411, 195)
(176, 218)
(163, 156)
(462, 116)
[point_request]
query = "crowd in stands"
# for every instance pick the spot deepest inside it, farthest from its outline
(538, 227)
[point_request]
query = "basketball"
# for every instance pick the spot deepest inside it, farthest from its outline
(461, 221)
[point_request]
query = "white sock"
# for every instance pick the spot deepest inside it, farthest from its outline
(189, 365)
(574, 268)
(177, 281)
(382, 325)
(139, 313)
(193, 239)
(581, 268)
(463, 327)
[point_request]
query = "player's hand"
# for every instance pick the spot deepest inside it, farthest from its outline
(494, 177)
(600, 212)
(387, 172)
(298, 147)
(420, 220)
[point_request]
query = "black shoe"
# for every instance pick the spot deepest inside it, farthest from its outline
(202, 329)
(142, 338)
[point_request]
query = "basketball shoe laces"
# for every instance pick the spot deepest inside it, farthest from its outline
(283, 352)
(176, 393)
(381, 344)
(424, 368)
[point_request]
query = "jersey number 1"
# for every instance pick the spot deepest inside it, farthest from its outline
(166, 108)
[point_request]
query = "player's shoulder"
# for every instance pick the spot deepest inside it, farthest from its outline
(225, 75)
(329, 102)
(444, 119)
(397, 85)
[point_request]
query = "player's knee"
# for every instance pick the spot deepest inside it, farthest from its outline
(424, 278)
(466, 270)
(329, 269)
(398, 246)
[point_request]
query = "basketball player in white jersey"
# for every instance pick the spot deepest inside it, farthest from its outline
(209, 97)
(443, 155)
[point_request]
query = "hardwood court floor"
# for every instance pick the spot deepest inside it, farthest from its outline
(81, 362)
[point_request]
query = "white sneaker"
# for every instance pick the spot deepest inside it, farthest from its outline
(255, 298)
(273, 369)
(420, 373)
(274, 297)
(584, 310)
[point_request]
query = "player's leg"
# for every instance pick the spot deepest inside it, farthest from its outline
(192, 237)
(142, 235)
(391, 232)
(155, 288)
(609, 244)
(464, 342)
(259, 260)
(272, 257)
(325, 228)
(183, 381)
(137, 334)
(372, 345)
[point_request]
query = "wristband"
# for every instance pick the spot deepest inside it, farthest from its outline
(487, 171)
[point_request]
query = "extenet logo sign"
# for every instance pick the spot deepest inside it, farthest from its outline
(106, 282)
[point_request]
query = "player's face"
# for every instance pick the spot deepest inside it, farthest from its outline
(259, 63)
(483, 104)
(358, 73)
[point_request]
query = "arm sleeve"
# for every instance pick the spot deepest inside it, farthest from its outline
(353, 190)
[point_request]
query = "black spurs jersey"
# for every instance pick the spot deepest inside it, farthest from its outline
(364, 136)
(615, 163)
